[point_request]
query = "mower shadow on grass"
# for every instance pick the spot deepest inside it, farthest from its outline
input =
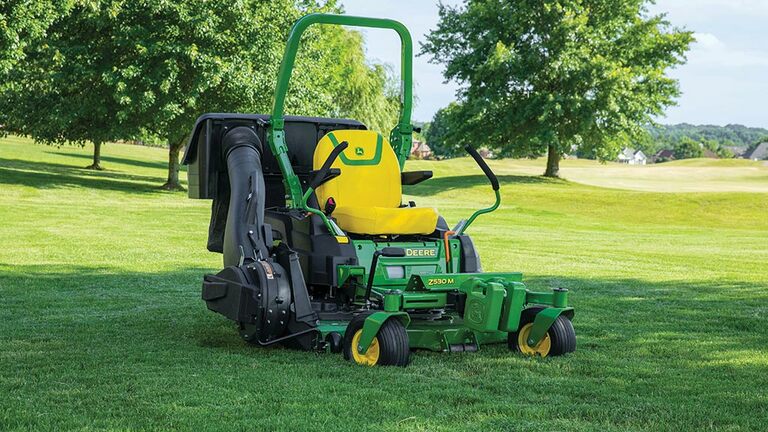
(442, 184)
(44, 175)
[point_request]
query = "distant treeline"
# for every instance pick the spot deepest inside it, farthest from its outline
(730, 136)
(685, 140)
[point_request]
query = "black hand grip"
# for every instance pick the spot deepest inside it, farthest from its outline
(483, 166)
(323, 171)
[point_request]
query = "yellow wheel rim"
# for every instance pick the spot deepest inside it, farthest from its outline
(541, 349)
(370, 357)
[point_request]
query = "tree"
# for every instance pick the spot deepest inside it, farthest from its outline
(443, 135)
(172, 61)
(224, 56)
(545, 76)
(56, 94)
(354, 88)
(687, 148)
(121, 69)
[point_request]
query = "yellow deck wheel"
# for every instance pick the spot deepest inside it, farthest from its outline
(559, 339)
(371, 356)
(541, 349)
(388, 348)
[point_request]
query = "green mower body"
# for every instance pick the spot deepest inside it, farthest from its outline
(296, 275)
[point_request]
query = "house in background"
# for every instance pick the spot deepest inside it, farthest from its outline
(632, 157)
(738, 151)
(485, 153)
(759, 153)
(665, 155)
(420, 150)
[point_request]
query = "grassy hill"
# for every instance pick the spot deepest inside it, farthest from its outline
(102, 326)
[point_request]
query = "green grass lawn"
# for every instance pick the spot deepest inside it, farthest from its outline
(102, 326)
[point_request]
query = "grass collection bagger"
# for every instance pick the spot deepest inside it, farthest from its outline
(321, 253)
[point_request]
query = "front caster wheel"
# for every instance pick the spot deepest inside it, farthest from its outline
(560, 338)
(389, 347)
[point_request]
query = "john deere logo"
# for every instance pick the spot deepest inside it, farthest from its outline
(359, 151)
(475, 312)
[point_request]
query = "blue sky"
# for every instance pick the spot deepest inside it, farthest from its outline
(725, 79)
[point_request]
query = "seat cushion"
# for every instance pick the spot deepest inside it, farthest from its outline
(384, 220)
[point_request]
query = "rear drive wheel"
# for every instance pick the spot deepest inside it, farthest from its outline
(389, 347)
(560, 338)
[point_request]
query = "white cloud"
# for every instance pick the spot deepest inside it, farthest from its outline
(714, 9)
(709, 50)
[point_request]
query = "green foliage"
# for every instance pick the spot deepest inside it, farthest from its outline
(25, 22)
(732, 135)
(351, 87)
(443, 135)
(423, 131)
(124, 69)
(687, 148)
(725, 153)
(57, 94)
(586, 73)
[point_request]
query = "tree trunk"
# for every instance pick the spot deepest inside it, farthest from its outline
(172, 183)
(96, 165)
(553, 162)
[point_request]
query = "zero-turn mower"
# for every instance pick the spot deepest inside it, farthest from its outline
(321, 252)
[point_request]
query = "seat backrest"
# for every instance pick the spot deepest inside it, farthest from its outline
(370, 173)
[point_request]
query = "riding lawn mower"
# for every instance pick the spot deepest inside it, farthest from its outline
(321, 253)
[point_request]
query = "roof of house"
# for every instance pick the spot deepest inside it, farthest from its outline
(738, 150)
(760, 152)
(627, 153)
(666, 153)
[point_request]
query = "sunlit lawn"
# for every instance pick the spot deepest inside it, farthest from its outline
(102, 326)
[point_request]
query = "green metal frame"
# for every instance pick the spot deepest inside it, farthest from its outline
(401, 135)
(480, 212)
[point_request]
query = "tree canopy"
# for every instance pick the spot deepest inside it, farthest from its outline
(556, 74)
(732, 135)
(445, 124)
(57, 94)
(24, 22)
(119, 69)
(687, 148)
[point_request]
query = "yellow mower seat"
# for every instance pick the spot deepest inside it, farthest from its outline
(368, 192)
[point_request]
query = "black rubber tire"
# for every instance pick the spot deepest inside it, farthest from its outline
(393, 341)
(561, 334)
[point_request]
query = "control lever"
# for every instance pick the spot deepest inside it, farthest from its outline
(317, 179)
